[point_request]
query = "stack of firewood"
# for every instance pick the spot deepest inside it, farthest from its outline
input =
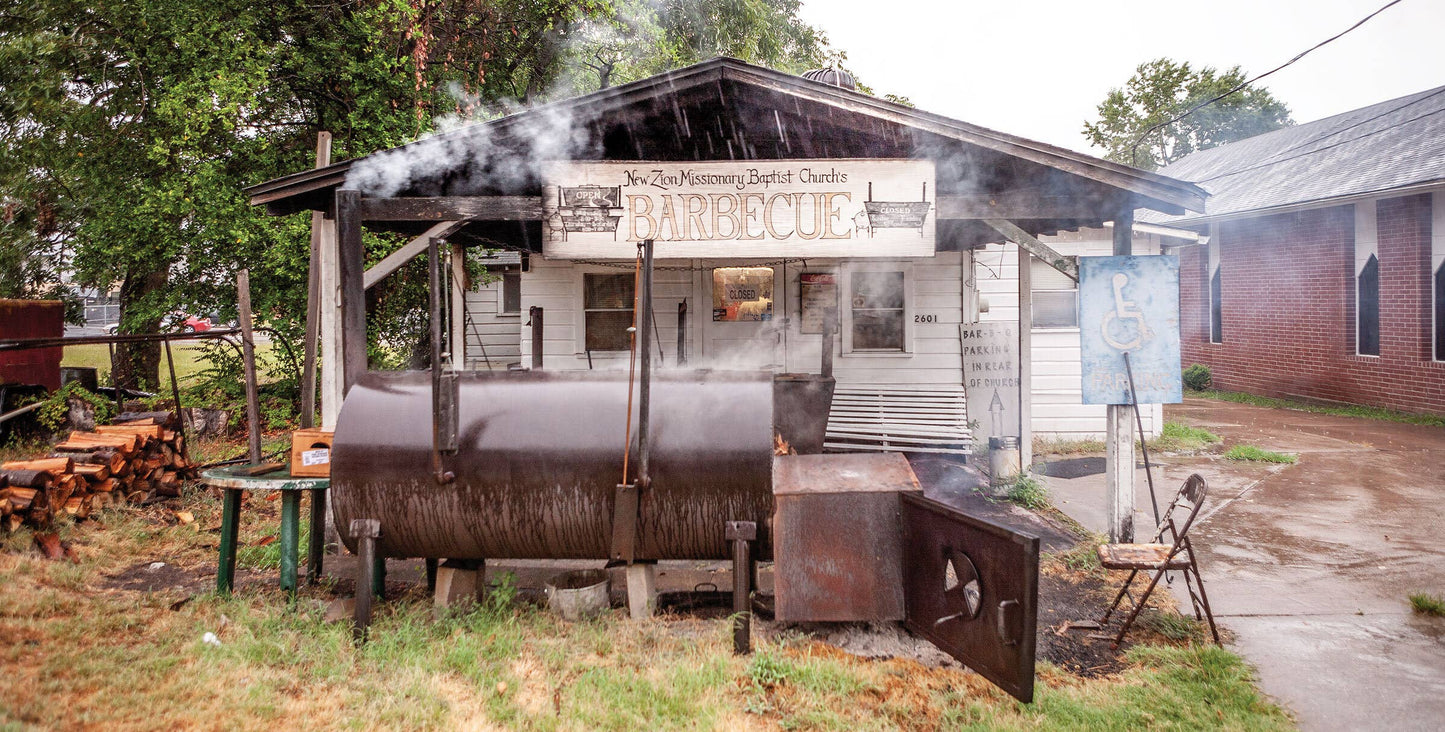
(138, 459)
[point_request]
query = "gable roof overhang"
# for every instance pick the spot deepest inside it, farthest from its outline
(984, 173)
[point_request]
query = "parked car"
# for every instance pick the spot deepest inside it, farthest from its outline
(177, 321)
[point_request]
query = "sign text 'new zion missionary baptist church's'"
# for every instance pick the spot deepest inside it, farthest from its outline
(773, 208)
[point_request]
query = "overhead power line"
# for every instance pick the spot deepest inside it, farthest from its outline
(1134, 149)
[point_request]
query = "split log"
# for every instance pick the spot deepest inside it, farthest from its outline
(144, 431)
(92, 472)
(52, 465)
(29, 478)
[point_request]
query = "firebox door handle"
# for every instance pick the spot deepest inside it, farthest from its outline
(1008, 622)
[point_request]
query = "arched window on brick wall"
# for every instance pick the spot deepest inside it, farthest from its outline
(1367, 301)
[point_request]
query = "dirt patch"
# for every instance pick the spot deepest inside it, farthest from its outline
(1076, 597)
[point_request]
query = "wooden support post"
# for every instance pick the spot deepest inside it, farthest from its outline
(460, 286)
(1026, 387)
(313, 297)
(353, 292)
(329, 295)
(1119, 427)
(248, 365)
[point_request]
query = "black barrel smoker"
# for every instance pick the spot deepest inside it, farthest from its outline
(539, 461)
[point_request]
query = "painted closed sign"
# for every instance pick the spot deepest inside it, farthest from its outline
(1130, 305)
(778, 208)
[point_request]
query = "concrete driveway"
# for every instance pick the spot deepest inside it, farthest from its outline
(1310, 566)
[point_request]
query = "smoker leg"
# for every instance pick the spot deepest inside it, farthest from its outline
(742, 534)
(431, 575)
(641, 589)
(365, 532)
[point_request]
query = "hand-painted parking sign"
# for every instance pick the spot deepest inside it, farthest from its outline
(1130, 305)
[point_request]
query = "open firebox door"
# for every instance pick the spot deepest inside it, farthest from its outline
(971, 588)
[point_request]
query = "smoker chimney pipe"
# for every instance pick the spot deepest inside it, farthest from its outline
(644, 350)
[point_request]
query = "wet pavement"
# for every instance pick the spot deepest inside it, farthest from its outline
(1310, 566)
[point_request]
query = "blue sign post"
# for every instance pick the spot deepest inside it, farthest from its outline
(1130, 305)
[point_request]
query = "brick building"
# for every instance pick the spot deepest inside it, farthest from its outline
(1323, 274)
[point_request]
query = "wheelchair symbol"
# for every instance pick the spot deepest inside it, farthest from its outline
(1124, 310)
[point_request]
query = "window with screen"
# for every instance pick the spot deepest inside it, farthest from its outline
(1367, 308)
(878, 311)
(511, 292)
(1054, 295)
(607, 308)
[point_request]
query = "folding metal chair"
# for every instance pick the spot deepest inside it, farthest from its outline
(1160, 558)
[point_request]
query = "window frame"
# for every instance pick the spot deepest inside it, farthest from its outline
(1366, 247)
(1033, 290)
(1214, 297)
(846, 307)
(580, 288)
(514, 273)
(1437, 273)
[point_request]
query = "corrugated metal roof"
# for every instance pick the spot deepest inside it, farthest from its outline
(1381, 147)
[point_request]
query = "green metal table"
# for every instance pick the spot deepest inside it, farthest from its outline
(233, 481)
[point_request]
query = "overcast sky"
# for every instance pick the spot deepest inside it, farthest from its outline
(1039, 68)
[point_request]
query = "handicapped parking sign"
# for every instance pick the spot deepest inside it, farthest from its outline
(1130, 305)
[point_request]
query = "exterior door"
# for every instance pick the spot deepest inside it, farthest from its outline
(743, 325)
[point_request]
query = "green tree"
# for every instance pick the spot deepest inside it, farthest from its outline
(128, 128)
(1163, 88)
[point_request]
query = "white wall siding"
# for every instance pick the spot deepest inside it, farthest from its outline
(493, 338)
(1058, 408)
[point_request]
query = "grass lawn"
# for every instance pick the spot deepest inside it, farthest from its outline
(189, 361)
(86, 645)
(1344, 410)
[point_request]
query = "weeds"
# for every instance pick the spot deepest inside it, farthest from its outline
(1029, 491)
(1083, 558)
(1051, 446)
(1433, 605)
(1175, 437)
(1172, 625)
(1255, 454)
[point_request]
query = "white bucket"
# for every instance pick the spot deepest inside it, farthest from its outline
(578, 594)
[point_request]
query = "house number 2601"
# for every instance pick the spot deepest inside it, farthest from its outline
(925, 318)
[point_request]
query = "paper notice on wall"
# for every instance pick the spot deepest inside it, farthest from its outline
(820, 297)
(316, 457)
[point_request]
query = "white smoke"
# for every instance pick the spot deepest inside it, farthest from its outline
(466, 155)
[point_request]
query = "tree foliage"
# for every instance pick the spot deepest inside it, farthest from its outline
(1163, 88)
(128, 128)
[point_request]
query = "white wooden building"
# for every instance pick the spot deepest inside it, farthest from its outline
(903, 269)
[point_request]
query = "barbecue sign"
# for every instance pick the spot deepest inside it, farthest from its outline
(755, 208)
(1130, 305)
